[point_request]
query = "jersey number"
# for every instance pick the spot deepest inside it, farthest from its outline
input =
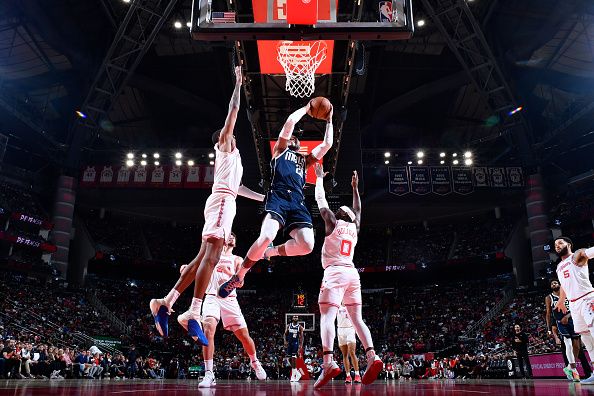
(566, 274)
(345, 248)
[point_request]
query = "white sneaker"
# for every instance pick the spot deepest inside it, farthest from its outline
(185, 317)
(329, 371)
(208, 381)
(294, 377)
(260, 372)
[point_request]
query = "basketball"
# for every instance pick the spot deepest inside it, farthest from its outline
(320, 108)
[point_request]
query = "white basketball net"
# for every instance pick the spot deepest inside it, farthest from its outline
(300, 63)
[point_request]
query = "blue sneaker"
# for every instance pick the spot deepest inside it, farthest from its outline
(160, 312)
(588, 381)
(266, 257)
(228, 287)
(195, 331)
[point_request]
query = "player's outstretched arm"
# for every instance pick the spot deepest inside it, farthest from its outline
(250, 194)
(560, 306)
(226, 137)
(325, 212)
(285, 135)
(321, 149)
(356, 199)
(582, 256)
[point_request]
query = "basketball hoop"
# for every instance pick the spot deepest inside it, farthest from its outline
(300, 62)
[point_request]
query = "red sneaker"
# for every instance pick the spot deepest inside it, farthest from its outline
(357, 379)
(374, 367)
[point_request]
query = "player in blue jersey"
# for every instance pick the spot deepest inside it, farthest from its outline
(285, 201)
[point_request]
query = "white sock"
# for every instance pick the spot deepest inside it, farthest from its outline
(209, 365)
(356, 372)
(196, 306)
(327, 358)
(171, 298)
(569, 350)
(253, 358)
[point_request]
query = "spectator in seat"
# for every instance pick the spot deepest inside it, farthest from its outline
(12, 361)
(26, 360)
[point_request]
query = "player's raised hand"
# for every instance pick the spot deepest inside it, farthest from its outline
(355, 179)
(238, 75)
(320, 170)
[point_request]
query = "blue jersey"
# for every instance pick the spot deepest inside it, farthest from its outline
(288, 172)
(293, 334)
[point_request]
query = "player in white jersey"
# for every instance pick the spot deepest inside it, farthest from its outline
(573, 275)
(341, 282)
(347, 344)
(227, 310)
(219, 212)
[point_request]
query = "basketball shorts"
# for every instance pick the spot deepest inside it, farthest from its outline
(582, 313)
(346, 335)
(226, 309)
(293, 349)
(289, 209)
(340, 285)
(219, 213)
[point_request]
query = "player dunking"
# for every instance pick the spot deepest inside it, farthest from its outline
(294, 341)
(341, 282)
(285, 206)
(573, 275)
(219, 212)
(347, 344)
(215, 309)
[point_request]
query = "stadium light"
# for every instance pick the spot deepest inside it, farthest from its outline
(143, 163)
(178, 155)
(177, 24)
(420, 154)
(80, 114)
(468, 161)
(190, 163)
(211, 162)
(387, 154)
(189, 24)
(129, 163)
(130, 155)
(157, 163)
(410, 162)
(386, 162)
(143, 155)
(178, 163)
(420, 162)
(442, 162)
(467, 154)
(126, 1)
(421, 23)
(210, 155)
(455, 162)
(442, 154)
(455, 155)
(156, 156)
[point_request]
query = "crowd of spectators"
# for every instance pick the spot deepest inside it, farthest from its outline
(15, 198)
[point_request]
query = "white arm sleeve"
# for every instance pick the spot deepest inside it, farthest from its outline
(321, 149)
(247, 193)
(293, 119)
(590, 252)
(321, 194)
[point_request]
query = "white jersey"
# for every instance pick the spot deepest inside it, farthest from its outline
(221, 273)
(574, 280)
(343, 319)
(339, 247)
(228, 171)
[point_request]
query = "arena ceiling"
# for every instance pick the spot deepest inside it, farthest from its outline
(410, 94)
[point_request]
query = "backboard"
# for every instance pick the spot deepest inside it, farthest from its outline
(214, 20)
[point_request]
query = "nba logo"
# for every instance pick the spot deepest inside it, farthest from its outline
(385, 11)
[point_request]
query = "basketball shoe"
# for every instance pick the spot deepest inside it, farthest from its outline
(329, 371)
(191, 322)
(374, 367)
(208, 381)
(260, 372)
(228, 287)
(160, 311)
